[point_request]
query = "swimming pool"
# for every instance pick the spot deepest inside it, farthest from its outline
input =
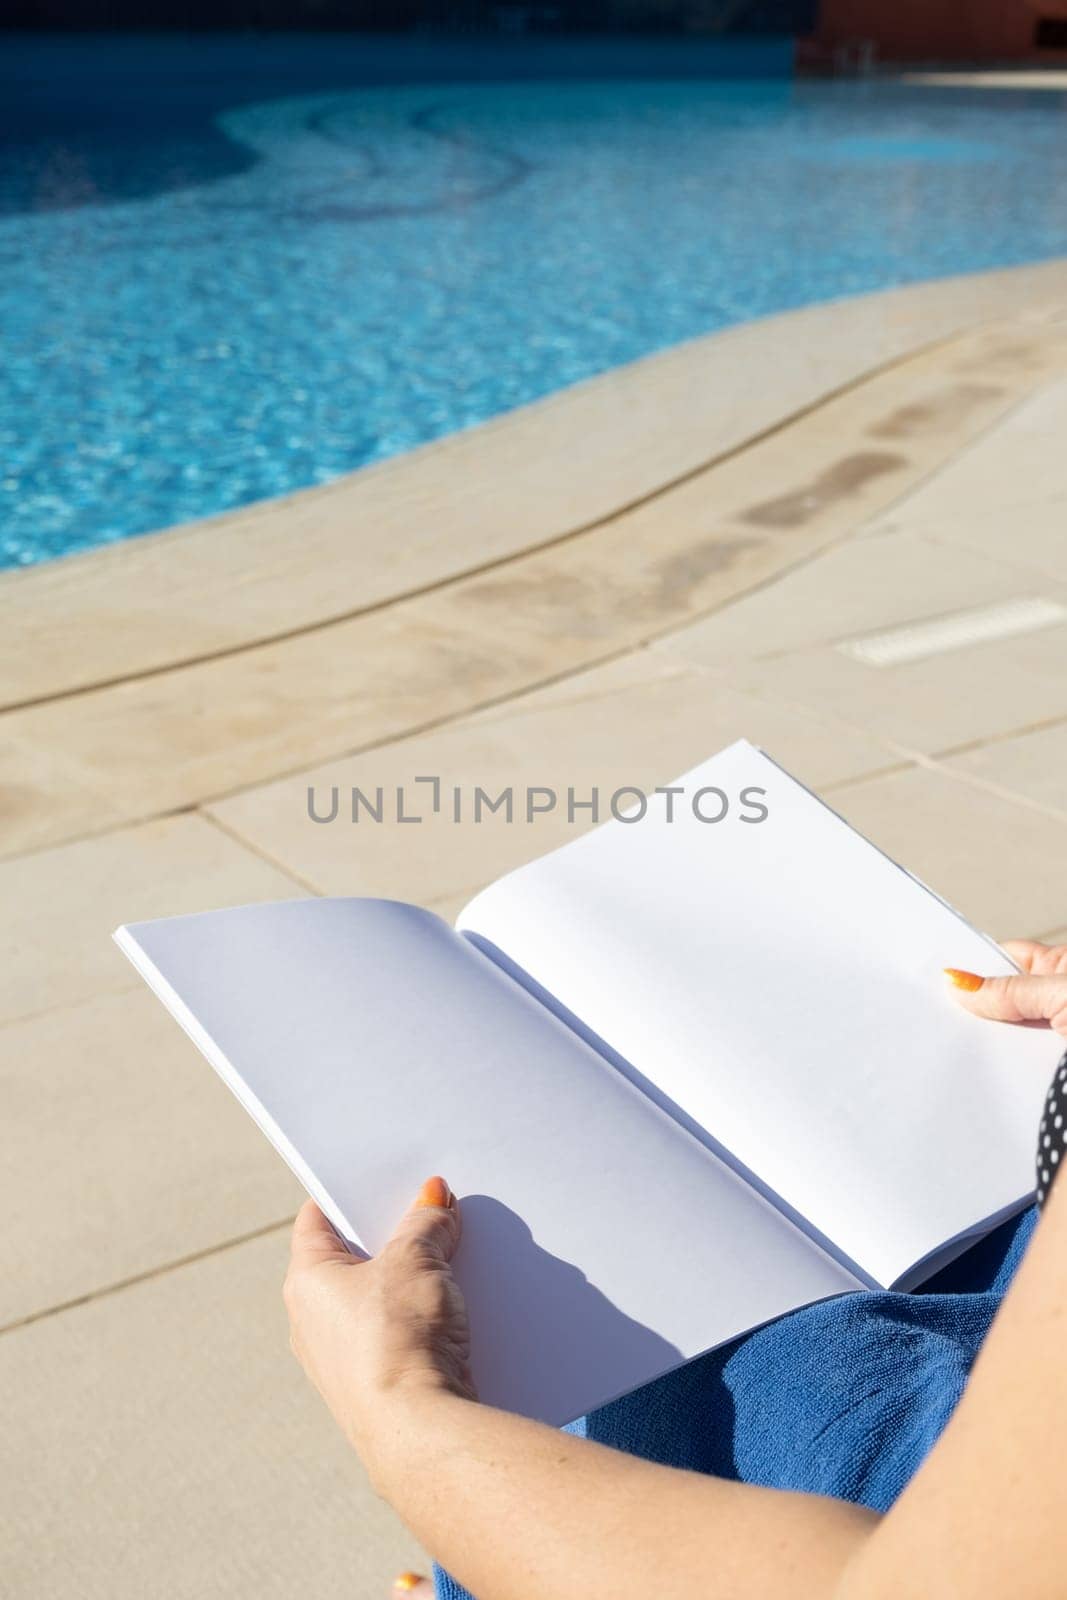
(286, 290)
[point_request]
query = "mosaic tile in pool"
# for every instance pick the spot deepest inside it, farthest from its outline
(202, 319)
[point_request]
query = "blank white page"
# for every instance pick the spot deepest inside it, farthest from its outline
(781, 982)
(601, 1245)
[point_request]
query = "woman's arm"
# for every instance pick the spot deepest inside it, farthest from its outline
(515, 1509)
(519, 1511)
(985, 1517)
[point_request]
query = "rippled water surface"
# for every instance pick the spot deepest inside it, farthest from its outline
(277, 292)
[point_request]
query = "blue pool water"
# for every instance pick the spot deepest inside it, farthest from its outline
(207, 298)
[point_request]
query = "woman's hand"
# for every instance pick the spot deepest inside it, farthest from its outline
(1036, 996)
(372, 1335)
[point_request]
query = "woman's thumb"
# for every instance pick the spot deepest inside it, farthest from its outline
(1020, 997)
(433, 1218)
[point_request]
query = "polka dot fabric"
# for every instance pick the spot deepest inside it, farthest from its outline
(1052, 1135)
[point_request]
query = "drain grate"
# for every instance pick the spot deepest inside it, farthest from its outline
(942, 634)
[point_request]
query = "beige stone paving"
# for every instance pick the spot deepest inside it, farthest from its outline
(60, 906)
(160, 1443)
(990, 524)
(1034, 532)
(122, 1153)
(1005, 500)
(157, 1438)
(125, 1155)
(1017, 465)
(858, 587)
(982, 692)
(987, 526)
(639, 721)
(531, 476)
(1031, 765)
(1002, 866)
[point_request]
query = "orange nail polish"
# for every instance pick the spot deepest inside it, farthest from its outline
(434, 1192)
(963, 980)
(407, 1580)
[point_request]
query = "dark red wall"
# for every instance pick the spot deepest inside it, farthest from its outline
(945, 30)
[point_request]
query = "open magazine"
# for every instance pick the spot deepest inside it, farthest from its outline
(684, 1076)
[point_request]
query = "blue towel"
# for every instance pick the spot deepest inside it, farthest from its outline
(843, 1398)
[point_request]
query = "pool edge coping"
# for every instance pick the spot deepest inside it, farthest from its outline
(473, 500)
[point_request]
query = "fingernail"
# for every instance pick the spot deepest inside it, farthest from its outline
(408, 1580)
(963, 980)
(434, 1192)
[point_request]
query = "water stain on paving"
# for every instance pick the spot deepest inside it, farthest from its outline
(1015, 356)
(846, 477)
(15, 802)
(552, 604)
(677, 576)
(543, 591)
(592, 604)
(946, 409)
